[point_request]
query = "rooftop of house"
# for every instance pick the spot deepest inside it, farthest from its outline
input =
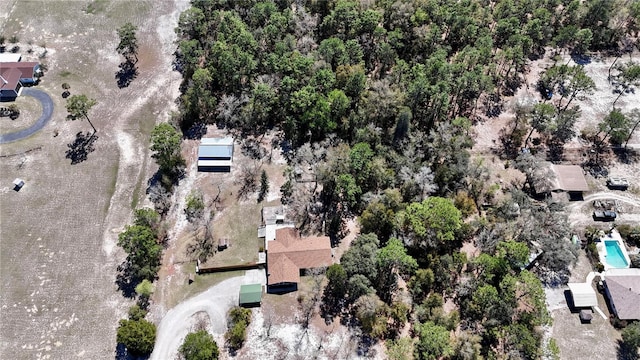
(561, 177)
(289, 253)
(9, 78)
(624, 288)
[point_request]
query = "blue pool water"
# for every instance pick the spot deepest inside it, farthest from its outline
(615, 258)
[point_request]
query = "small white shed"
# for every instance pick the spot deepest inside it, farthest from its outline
(18, 184)
(583, 295)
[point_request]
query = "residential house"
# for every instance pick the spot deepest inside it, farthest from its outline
(289, 255)
(14, 75)
(561, 178)
(622, 287)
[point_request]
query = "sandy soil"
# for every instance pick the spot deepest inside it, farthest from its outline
(216, 302)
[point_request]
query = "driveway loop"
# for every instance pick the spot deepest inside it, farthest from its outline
(47, 111)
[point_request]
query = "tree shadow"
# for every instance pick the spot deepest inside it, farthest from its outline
(196, 131)
(625, 352)
(126, 281)
(123, 354)
(81, 147)
(581, 59)
(127, 73)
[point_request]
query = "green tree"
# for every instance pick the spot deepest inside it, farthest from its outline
(145, 288)
(147, 217)
(337, 285)
(430, 223)
(615, 126)
(433, 342)
(400, 349)
(138, 336)
(628, 76)
(79, 106)
(631, 339)
(128, 45)
(371, 312)
(393, 261)
(143, 251)
(542, 119)
(199, 345)
(136, 313)
(239, 319)
(515, 253)
(264, 186)
(194, 206)
(165, 144)
(361, 258)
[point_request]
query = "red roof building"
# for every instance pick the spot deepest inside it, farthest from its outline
(289, 253)
(13, 75)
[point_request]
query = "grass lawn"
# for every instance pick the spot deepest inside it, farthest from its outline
(238, 223)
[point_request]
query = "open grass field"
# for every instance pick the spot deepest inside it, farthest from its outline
(58, 256)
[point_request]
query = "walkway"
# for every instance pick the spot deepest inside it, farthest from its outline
(216, 302)
(47, 111)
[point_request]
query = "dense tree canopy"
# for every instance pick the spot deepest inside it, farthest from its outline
(374, 104)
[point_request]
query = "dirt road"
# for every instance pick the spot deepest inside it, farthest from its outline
(215, 302)
(580, 212)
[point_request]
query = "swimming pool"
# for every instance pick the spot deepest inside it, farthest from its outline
(615, 257)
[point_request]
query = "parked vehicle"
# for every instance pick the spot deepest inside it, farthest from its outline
(604, 215)
(617, 183)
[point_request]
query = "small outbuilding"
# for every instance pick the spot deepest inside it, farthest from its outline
(583, 295)
(215, 154)
(250, 295)
(18, 184)
(585, 316)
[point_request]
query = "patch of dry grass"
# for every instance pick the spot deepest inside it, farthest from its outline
(30, 111)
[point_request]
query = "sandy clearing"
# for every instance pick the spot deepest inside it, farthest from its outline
(216, 302)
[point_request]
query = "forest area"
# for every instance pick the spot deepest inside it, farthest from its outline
(376, 101)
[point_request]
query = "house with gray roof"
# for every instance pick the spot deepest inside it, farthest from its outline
(622, 287)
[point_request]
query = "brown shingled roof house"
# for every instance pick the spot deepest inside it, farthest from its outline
(13, 75)
(289, 254)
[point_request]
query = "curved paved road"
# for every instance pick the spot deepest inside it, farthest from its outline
(47, 111)
(216, 301)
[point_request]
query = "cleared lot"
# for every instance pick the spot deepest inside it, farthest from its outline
(57, 235)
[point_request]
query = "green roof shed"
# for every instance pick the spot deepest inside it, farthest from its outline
(250, 295)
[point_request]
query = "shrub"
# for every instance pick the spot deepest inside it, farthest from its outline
(239, 319)
(138, 336)
(199, 346)
(631, 338)
(137, 313)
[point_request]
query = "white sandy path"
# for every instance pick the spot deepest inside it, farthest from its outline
(216, 302)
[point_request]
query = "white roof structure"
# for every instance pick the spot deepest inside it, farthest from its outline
(215, 153)
(583, 295)
(10, 57)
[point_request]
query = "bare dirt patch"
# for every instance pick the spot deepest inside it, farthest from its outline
(596, 340)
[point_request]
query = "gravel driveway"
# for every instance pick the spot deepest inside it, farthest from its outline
(216, 302)
(47, 111)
